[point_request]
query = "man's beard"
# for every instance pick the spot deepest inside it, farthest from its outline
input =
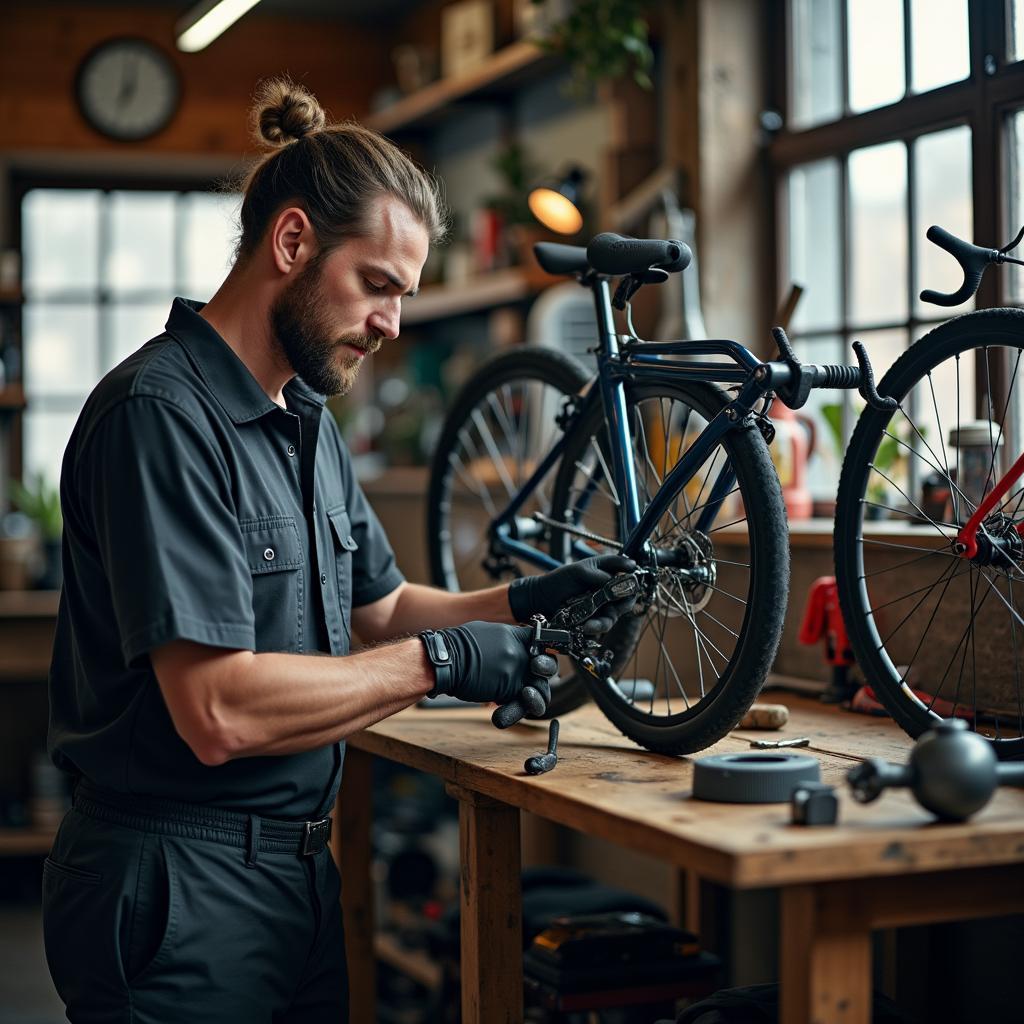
(305, 340)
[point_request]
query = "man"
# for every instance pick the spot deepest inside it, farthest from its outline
(215, 542)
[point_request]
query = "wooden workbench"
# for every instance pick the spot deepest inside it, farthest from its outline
(887, 864)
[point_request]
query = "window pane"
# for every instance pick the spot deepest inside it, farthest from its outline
(878, 234)
(209, 224)
(816, 87)
(938, 42)
(942, 180)
(130, 326)
(46, 437)
(141, 253)
(1015, 35)
(60, 239)
(61, 348)
(814, 243)
(877, 73)
(1015, 126)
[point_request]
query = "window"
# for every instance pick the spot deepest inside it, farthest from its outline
(887, 126)
(100, 270)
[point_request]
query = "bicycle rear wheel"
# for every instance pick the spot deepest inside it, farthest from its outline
(689, 665)
(501, 425)
(937, 634)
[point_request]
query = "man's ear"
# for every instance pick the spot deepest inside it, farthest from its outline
(292, 241)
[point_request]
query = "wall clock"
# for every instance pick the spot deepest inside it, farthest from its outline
(127, 89)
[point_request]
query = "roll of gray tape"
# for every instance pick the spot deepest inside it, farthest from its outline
(752, 778)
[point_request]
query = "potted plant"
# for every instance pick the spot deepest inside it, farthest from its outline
(603, 39)
(40, 501)
(887, 463)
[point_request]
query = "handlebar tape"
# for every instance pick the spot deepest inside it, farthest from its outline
(831, 376)
(616, 255)
(973, 260)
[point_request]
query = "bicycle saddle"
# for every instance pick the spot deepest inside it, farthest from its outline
(561, 259)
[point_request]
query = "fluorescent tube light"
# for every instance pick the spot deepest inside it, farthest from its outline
(201, 25)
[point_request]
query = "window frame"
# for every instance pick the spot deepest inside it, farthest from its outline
(983, 101)
(20, 183)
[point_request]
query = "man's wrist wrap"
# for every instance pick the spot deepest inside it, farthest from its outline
(439, 654)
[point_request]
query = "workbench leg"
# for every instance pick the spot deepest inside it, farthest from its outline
(350, 844)
(491, 911)
(825, 956)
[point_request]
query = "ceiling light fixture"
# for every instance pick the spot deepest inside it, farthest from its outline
(207, 20)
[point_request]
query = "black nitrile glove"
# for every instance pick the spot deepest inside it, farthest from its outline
(536, 695)
(545, 595)
(490, 662)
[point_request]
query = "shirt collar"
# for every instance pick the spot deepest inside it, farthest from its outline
(227, 377)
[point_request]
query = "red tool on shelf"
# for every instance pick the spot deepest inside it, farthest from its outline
(823, 620)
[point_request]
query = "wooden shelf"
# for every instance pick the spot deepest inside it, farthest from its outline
(16, 842)
(478, 293)
(29, 604)
(12, 397)
(506, 70)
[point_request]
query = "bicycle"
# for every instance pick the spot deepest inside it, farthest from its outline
(934, 608)
(540, 463)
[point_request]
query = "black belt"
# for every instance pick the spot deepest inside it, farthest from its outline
(233, 828)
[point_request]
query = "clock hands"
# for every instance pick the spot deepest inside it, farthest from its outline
(129, 81)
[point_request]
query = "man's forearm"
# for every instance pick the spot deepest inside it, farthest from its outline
(422, 608)
(265, 704)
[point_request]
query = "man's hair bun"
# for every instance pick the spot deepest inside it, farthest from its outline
(284, 112)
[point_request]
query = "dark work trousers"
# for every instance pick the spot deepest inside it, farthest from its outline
(151, 920)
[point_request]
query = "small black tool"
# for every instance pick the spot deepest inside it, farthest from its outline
(952, 772)
(814, 803)
(541, 763)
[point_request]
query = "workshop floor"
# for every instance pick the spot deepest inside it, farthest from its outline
(26, 991)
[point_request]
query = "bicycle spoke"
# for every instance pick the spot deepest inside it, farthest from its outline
(725, 561)
(472, 484)
(892, 568)
(927, 586)
(935, 610)
(940, 634)
(951, 569)
(905, 547)
(1016, 667)
(492, 449)
(725, 593)
(731, 632)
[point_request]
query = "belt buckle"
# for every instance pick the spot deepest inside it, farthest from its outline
(318, 835)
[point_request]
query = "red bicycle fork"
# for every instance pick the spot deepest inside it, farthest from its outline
(966, 545)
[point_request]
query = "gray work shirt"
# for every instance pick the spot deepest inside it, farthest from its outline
(196, 508)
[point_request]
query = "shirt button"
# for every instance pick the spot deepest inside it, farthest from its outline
(323, 579)
(291, 449)
(269, 554)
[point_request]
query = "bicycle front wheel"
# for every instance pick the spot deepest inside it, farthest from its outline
(501, 425)
(687, 667)
(937, 634)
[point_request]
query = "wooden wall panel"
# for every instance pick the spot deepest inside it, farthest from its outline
(41, 48)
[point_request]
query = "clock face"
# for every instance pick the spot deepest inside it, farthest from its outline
(127, 89)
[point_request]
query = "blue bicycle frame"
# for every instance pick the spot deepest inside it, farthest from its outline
(644, 361)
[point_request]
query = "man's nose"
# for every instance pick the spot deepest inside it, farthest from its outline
(385, 321)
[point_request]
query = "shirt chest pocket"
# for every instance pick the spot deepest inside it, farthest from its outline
(344, 544)
(276, 562)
